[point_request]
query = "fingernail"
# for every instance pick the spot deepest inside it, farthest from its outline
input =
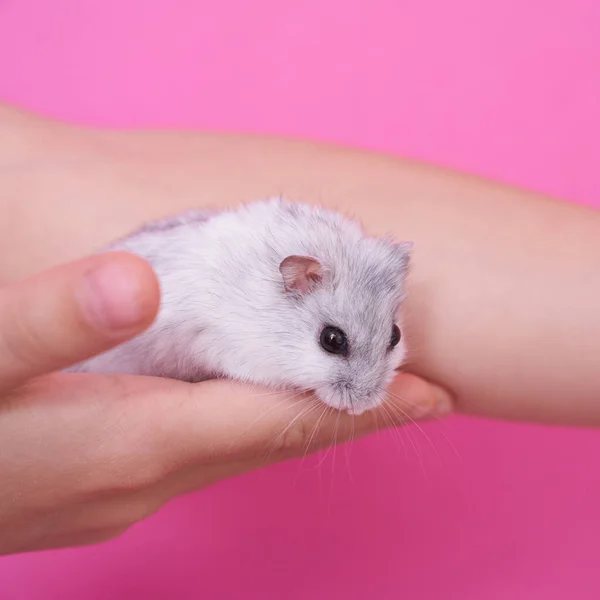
(441, 402)
(110, 296)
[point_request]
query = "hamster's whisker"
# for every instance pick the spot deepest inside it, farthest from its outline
(393, 430)
(403, 414)
(439, 420)
(314, 430)
(314, 405)
(278, 405)
(291, 400)
(349, 445)
(274, 392)
(398, 412)
(335, 444)
(335, 434)
(349, 397)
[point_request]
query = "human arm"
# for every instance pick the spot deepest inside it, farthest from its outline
(503, 302)
(83, 457)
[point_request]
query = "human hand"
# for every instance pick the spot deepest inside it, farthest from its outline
(83, 457)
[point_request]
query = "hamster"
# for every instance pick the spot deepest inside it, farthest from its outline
(274, 293)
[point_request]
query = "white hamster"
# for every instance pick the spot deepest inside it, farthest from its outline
(274, 293)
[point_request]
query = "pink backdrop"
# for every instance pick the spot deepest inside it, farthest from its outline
(506, 88)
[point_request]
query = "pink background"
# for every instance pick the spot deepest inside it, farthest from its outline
(505, 88)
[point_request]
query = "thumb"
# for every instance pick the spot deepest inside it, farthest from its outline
(72, 312)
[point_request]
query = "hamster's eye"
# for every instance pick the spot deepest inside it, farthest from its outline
(395, 336)
(334, 340)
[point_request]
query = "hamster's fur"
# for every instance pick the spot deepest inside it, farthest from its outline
(231, 306)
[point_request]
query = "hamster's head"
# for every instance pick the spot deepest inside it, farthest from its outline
(346, 322)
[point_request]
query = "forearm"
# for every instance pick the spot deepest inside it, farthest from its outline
(505, 285)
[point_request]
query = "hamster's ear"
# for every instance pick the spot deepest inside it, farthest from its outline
(301, 274)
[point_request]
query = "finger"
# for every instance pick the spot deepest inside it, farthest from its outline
(120, 511)
(72, 540)
(220, 421)
(70, 313)
(198, 477)
(137, 433)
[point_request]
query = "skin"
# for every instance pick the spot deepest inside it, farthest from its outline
(502, 312)
(86, 456)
